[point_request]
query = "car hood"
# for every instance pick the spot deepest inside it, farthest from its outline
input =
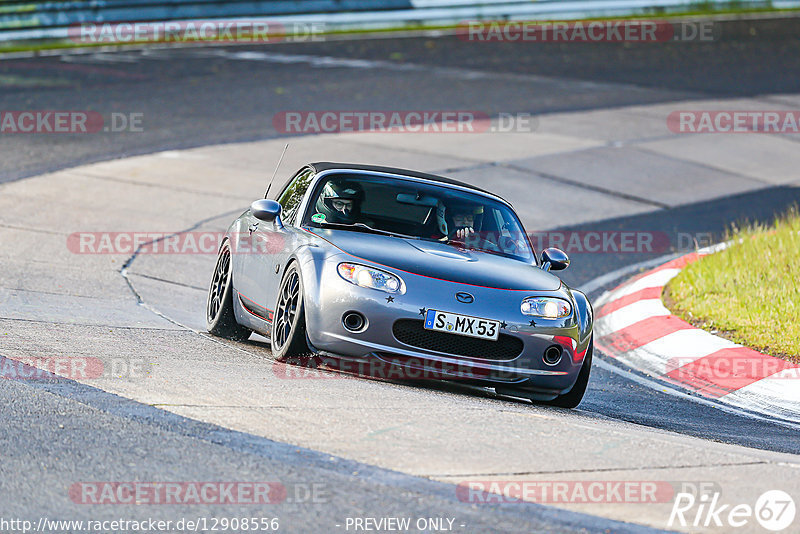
(439, 260)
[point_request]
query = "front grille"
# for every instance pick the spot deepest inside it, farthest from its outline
(411, 332)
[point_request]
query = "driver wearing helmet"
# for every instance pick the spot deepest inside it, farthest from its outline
(340, 202)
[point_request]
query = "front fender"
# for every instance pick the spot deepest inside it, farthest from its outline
(312, 260)
(585, 317)
(233, 233)
(235, 229)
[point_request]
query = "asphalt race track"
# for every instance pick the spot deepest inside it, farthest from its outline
(600, 157)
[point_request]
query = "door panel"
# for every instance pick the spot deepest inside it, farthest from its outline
(269, 243)
(246, 274)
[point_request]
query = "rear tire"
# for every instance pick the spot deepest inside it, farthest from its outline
(573, 397)
(288, 335)
(220, 317)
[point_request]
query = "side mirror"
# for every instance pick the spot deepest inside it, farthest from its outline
(554, 259)
(266, 210)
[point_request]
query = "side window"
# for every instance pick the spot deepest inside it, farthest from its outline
(293, 194)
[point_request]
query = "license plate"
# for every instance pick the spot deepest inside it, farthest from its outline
(463, 325)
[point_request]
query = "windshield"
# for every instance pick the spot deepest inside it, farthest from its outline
(409, 209)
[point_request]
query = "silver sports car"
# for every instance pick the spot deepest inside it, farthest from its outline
(406, 275)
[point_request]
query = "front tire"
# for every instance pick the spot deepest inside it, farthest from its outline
(220, 317)
(573, 397)
(288, 334)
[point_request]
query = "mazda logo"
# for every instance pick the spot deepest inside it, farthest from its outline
(465, 298)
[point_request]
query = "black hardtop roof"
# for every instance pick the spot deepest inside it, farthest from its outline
(327, 165)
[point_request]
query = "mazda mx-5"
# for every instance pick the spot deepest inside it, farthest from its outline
(388, 268)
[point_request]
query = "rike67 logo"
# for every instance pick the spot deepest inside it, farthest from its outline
(774, 510)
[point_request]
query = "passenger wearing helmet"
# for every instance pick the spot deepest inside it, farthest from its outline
(465, 221)
(340, 202)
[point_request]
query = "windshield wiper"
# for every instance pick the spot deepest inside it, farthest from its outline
(364, 228)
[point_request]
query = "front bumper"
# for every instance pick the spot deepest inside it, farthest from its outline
(330, 297)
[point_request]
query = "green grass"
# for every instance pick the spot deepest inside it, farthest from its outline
(749, 292)
(697, 9)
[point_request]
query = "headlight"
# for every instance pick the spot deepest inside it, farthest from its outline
(548, 307)
(364, 276)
